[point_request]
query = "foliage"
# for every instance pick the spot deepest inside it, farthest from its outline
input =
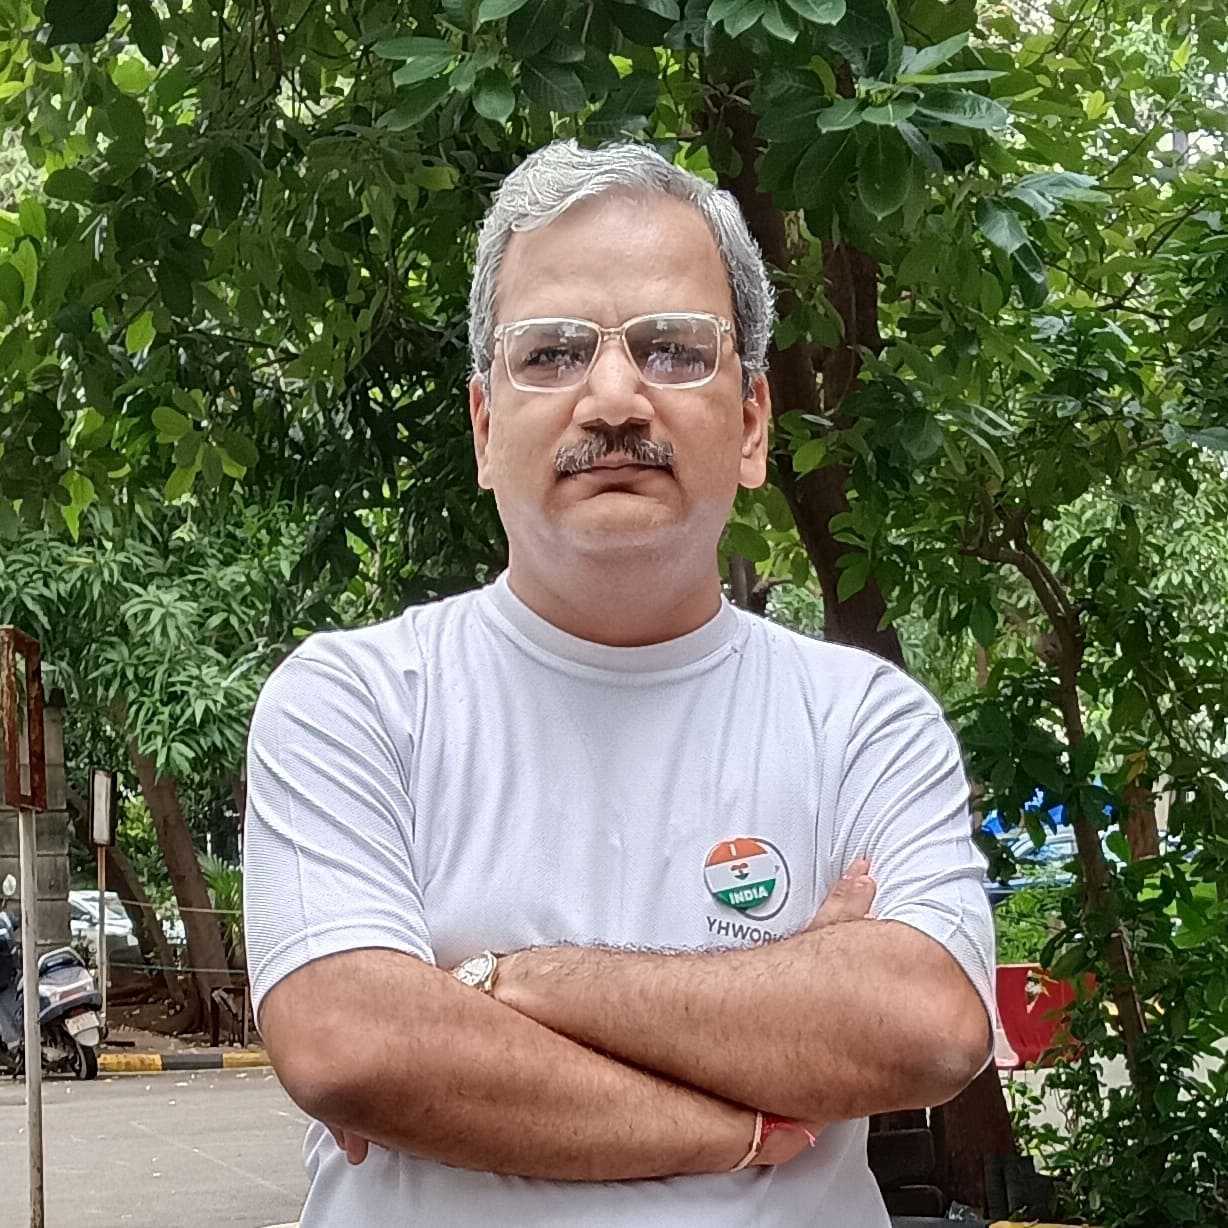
(225, 881)
(1025, 923)
(237, 298)
(164, 635)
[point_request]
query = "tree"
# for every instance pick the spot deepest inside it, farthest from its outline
(161, 643)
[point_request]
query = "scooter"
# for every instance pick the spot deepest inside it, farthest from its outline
(68, 1005)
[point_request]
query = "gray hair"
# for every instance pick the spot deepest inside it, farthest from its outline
(552, 179)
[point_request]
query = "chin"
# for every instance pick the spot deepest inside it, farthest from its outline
(611, 532)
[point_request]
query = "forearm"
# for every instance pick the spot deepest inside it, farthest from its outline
(466, 1081)
(841, 1022)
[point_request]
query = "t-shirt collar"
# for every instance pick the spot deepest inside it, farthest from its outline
(527, 625)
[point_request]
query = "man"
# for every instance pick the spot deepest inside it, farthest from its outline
(613, 803)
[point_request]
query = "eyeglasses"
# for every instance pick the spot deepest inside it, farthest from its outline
(670, 349)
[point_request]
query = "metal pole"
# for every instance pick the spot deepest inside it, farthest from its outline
(28, 852)
(102, 932)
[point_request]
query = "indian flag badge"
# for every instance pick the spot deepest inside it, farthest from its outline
(748, 874)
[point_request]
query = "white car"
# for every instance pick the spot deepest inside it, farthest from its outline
(122, 942)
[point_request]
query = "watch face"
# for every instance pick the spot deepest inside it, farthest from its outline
(475, 970)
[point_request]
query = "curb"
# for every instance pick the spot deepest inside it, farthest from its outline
(153, 1063)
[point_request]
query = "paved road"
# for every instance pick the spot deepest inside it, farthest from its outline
(148, 1151)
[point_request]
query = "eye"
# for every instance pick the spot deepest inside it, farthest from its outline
(554, 356)
(673, 356)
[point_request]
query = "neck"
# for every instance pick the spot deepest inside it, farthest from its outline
(621, 607)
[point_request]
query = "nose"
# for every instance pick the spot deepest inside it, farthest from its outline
(613, 395)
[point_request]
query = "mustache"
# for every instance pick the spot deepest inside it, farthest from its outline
(638, 450)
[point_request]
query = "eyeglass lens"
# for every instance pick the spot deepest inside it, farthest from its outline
(557, 354)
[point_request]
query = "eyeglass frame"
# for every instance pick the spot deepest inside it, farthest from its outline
(724, 328)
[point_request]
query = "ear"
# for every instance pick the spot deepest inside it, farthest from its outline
(479, 416)
(756, 414)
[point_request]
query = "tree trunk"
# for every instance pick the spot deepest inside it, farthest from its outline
(1139, 823)
(976, 1124)
(127, 883)
(206, 949)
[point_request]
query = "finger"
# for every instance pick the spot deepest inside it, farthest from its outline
(849, 900)
(355, 1148)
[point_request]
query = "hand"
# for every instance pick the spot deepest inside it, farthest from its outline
(849, 899)
(354, 1145)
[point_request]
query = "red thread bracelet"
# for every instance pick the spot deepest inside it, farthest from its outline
(772, 1122)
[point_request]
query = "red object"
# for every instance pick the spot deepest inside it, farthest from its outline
(1035, 1012)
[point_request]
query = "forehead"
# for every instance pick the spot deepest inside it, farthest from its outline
(613, 257)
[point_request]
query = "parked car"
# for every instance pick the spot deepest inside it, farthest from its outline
(122, 944)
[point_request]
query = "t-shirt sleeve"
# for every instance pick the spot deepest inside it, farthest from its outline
(328, 863)
(903, 803)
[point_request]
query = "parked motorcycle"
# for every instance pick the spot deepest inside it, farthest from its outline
(68, 1005)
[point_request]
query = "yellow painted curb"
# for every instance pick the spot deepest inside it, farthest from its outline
(245, 1060)
(129, 1063)
(157, 1063)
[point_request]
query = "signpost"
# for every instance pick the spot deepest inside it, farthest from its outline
(23, 786)
(102, 834)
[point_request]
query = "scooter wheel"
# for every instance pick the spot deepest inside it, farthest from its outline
(85, 1065)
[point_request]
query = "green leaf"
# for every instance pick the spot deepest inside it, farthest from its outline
(69, 183)
(421, 68)
(1213, 437)
(747, 541)
(1117, 844)
(891, 113)
(415, 105)
(146, 27)
(553, 87)
(926, 58)
(178, 484)
(127, 118)
(240, 449)
(1000, 226)
(853, 576)
(821, 12)
(411, 47)
(983, 620)
(780, 24)
(78, 21)
(922, 150)
(493, 97)
(170, 422)
(963, 108)
(951, 78)
(436, 178)
(33, 218)
(739, 16)
(25, 261)
(534, 27)
(883, 161)
(1064, 185)
(844, 113)
(130, 75)
(493, 10)
(824, 170)
(1030, 275)
(809, 456)
(12, 291)
(140, 333)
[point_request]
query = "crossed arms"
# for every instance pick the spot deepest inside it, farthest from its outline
(597, 1065)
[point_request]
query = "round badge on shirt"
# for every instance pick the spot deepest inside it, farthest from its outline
(750, 874)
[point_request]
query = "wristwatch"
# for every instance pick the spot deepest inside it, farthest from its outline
(478, 971)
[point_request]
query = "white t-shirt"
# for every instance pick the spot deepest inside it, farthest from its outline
(469, 777)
